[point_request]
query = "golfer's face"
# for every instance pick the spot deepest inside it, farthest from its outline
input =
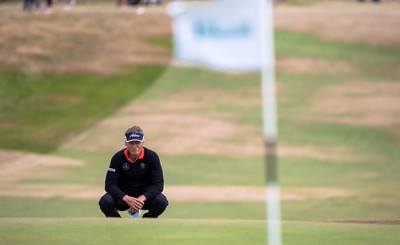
(134, 147)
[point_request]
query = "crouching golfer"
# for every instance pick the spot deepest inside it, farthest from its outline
(134, 180)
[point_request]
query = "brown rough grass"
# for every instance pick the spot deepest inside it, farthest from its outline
(95, 39)
(371, 24)
(362, 103)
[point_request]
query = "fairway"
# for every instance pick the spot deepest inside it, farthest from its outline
(72, 82)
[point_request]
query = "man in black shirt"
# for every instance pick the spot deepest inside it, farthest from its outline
(134, 180)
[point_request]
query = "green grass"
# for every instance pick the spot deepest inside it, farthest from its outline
(213, 170)
(95, 231)
(371, 207)
(48, 207)
(375, 63)
(181, 231)
(317, 233)
(48, 108)
(62, 207)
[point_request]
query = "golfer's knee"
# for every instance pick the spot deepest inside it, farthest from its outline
(106, 200)
(161, 201)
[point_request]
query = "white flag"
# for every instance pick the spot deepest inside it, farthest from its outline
(236, 35)
(223, 35)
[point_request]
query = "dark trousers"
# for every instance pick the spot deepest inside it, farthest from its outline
(110, 206)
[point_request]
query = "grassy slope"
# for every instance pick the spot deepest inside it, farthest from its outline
(375, 180)
(51, 107)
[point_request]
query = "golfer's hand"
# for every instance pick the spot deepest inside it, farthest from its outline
(133, 202)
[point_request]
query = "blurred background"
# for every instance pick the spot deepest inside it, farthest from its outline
(75, 75)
